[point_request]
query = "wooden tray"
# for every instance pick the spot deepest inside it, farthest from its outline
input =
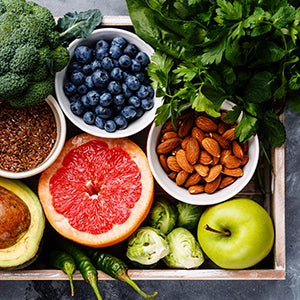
(271, 268)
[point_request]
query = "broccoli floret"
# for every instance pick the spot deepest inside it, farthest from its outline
(42, 70)
(36, 93)
(8, 21)
(12, 84)
(61, 57)
(6, 54)
(2, 8)
(25, 59)
(53, 39)
(18, 7)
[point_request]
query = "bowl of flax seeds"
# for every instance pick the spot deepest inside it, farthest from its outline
(31, 138)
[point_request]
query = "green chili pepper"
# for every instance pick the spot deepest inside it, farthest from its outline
(66, 263)
(115, 268)
(83, 263)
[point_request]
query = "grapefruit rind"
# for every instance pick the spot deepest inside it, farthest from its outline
(119, 232)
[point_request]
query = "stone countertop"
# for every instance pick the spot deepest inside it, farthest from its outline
(184, 289)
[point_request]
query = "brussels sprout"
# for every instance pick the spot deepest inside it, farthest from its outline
(163, 215)
(185, 251)
(147, 246)
(188, 215)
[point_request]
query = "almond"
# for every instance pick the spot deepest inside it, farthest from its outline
(231, 162)
(163, 162)
(215, 160)
(245, 159)
(245, 146)
(193, 179)
(168, 135)
(198, 134)
(205, 158)
(173, 164)
(211, 146)
(185, 141)
(211, 187)
(226, 181)
(185, 127)
(237, 150)
(237, 172)
(222, 127)
(174, 151)
(181, 177)
(214, 172)
(206, 124)
(192, 150)
(172, 175)
(168, 126)
(229, 134)
(202, 170)
(196, 189)
(183, 162)
(221, 140)
(224, 153)
(168, 145)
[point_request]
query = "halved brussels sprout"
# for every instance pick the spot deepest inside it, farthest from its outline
(163, 215)
(188, 215)
(185, 251)
(147, 246)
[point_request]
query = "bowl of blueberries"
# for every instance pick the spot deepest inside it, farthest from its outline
(105, 89)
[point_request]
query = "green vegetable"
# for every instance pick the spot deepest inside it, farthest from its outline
(163, 215)
(188, 215)
(66, 263)
(244, 51)
(33, 48)
(83, 262)
(147, 246)
(115, 268)
(185, 251)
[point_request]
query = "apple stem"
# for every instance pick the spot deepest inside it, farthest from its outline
(207, 227)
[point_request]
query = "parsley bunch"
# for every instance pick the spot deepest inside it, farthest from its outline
(244, 51)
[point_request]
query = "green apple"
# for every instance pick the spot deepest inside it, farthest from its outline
(236, 234)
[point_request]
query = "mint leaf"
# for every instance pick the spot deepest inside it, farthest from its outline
(233, 114)
(162, 114)
(272, 129)
(188, 71)
(294, 82)
(258, 89)
(229, 11)
(260, 30)
(214, 53)
(283, 16)
(246, 128)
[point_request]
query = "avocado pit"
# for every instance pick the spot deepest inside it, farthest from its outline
(15, 218)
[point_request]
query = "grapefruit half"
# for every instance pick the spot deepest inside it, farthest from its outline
(98, 191)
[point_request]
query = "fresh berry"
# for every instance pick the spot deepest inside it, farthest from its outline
(74, 66)
(131, 50)
(114, 87)
(103, 112)
(115, 51)
(95, 64)
(82, 89)
(106, 99)
(134, 101)
(99, 122)
(126, 91)
(142, 92)
(69, 88)
(125, 61)
(77, 78)
(77, 108)
(110, 126)
(143, 58)
(116, 74)
(139, 112)
(119, 41)
(89, 117)
(93, 98)
(85, 101)
(100, 78)
(107, 63)
(89, 82)
(100, 53)
(87, 69)
(147, 103)
(102, 44)
(119, 99)
(83, 54)
(135, 66)
(133, 83)
(75, 97)
(120, 121)
(128, 112)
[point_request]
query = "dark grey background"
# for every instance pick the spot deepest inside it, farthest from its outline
(288, 289)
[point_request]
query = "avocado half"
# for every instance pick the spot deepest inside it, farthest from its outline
(22, 224)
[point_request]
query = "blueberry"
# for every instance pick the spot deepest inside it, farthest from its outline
(121, 122)
(99, 122)
(142, 92)
(82, 89)
(132, 82)
(100, 78)
(83, 54)
(102, 44)
(125, 75)
(147, 103)
(116, 62)
(74, 66)
(89, 118)
(134, 101)
(131, 50)
(77, 78)
(69, 88)
(107, 63)
(114, 87)
(118, 108)
(100, 53)
(116, 74)
(77, 108)
(85, 101)
(75, 97)
(139, 112)
(125, 61)
(143, 58)
(103, 112)
(140, 76)
(89, 82)
(135, 66)
(95, 64)
(126, 91)
(93, 98)
(87, 69)
(115, 51)
(119, 41)
(106, 99)
(151, 91)
(110, 126)
(128, 112)
(119, 99)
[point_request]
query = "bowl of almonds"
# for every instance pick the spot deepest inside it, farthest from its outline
(200, 162)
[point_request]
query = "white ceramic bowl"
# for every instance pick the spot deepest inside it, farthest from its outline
(61, 78)
(181, 193)
(60, 140)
